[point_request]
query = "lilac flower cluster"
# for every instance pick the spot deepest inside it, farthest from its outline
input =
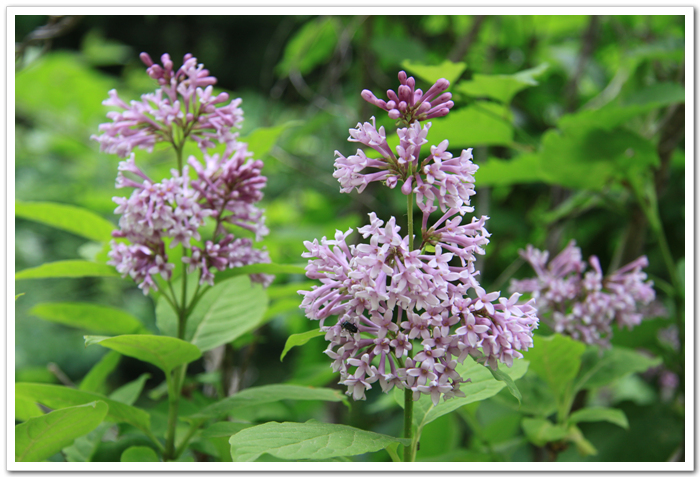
(226, 188)
(584, 304)
(184, 106)
(402, 315)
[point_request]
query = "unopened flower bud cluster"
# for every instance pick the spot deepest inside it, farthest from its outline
(227, 186)
(402, 316)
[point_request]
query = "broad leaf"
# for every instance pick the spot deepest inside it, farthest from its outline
(556, 359)
(482, 386)
(541, 431)
(84, 447)
(224, 429)
(268, 268)
(261, 140)
(300, 339)
(67, 269)
(139, 454)
(95, 379)
(598, 370)
(73, 219)
(482, 123)
(311, 46)
(431, 73)
(26, 408)
(500, 87)
(130, 392)
(59, 397)
(89, 317)
(163, 351)
(166, 319)
(228, 310)
(309, 440)
(41, 437)
(499, 375)
(267, 394)
(595, 414)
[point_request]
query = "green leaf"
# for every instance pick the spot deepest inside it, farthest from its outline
(482, 386)
(41, 437)
(17, 296)
(84, 447)
(56, 397)
(522, 169)
(556, 359)
(95, 379)
(311, 46)
(595, 414)
(431, 73)
(228, 310)
(510, 384)
(269, 268)
(26, 408)
(300, 339)
(139, 454)
(67, 269)
(584, 447)
(166, 319)
(482, 123)
(163, 351)
(261, 140)
(267, 394)
(541, 431)
(598, 370)
(309, 440)
(501, 87)
(224, 429)
(130, 392)
(73, 219)
(89, 317)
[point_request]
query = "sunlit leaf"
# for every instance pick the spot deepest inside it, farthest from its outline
(595, 414)
(598, 370)
(299, 339)
(556, 359)
(70, 218)
(89, 317)
(500, 87)
(311, 46)
(163, 351)
(139, 454)
(309, 440)
(130, 392)
(540, 431)
(67, 269)
(431, 73)
(41, 437)
(95, 379)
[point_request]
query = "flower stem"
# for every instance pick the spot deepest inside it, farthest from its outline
(174, 400)
(408, 455)
(409, 204)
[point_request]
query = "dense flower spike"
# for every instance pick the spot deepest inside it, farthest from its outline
(410, 104)
(227, 187)
(403, 317)
(584, 304)
(184, 106)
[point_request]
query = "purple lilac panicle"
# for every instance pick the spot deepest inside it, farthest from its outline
(401, 301)
(227, 186)
(584, 304)
(184, 106)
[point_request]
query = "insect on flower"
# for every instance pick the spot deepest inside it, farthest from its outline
(346, 325)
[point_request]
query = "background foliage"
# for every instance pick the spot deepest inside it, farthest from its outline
(577, 125)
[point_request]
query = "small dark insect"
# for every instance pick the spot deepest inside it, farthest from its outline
(346, 325)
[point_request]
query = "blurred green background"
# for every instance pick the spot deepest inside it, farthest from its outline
(618, 80)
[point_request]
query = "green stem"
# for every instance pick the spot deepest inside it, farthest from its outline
(193, 428)
(174, 400)
(409, 203)
(409, 451)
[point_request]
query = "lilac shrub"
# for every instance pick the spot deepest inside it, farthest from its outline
(585, 304)
(161, 215)
(401, 314)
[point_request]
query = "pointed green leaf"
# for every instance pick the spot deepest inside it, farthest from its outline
(163, 351)
(228, 310)
(26, 408)
(309, 440)
(17, 296)
(139, 454)
(541, 431)
(500, 87)
(595, 414)
(267, 394)
(85, 446)
(130, 392)
(56, 397)
(556, 359)
(67, 269)
(95, 379)
(73, 219)
(299, 339)
(499, 375)
(598, 370)
(261, 140)
(482, 123)
(89, 317)
(431, 73)
(224, 429)
(312, 45)
(41, 437)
